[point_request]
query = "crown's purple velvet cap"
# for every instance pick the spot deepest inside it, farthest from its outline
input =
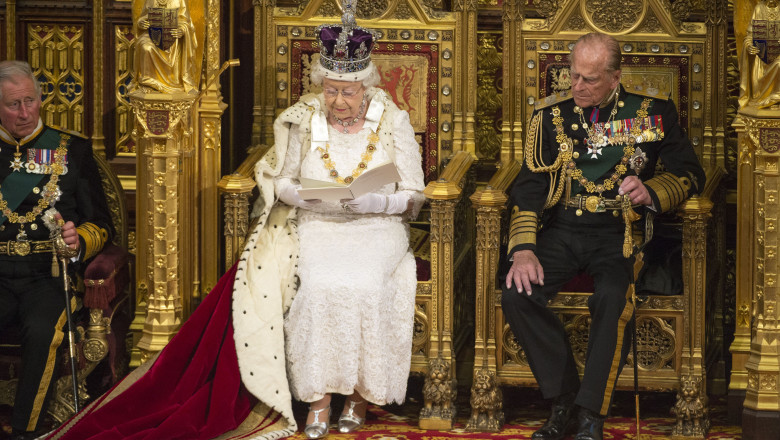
(329, 35)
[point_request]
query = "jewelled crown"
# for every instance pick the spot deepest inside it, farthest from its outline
(346, 48)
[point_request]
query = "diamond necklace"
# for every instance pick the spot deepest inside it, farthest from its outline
(347, 124)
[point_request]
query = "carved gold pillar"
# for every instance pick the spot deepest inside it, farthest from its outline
(164, 151)
(715, 99)
(512, 116)
(465, 77)
(10, 29)
(98, 139)
(440, 391)
(761, 414)
(209, 153)
(740, 347)
(265, 73)
(490, 202)
(691, 407)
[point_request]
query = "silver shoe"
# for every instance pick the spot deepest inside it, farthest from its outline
(317, 429)
(349, 422)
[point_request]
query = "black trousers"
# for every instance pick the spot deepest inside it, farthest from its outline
(591, 243)
(32, 299)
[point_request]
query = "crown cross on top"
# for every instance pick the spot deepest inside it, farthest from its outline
(345, 48)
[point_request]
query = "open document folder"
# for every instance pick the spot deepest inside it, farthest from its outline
(370, 180)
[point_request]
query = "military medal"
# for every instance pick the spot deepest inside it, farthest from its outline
(17, 164)
(638, 160)
(623, 131)
(41, 161)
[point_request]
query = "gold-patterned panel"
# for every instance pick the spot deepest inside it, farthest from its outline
(659, 321)
(56, 55)
(122, 78)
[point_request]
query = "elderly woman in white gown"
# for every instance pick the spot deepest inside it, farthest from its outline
(349, 328)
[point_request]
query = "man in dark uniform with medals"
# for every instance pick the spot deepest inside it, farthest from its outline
(49, 181)
(590, 157)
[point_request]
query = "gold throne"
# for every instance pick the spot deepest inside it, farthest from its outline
(661, 50)
(415, 56)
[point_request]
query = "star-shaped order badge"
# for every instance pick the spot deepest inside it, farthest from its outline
(594, 151)
(17, 164)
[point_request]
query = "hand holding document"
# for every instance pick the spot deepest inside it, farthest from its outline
(370, 180)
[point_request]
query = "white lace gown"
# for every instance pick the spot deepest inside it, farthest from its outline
(351, 322)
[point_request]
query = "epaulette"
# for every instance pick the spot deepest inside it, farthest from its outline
(70, 132)
(555, 98)
(648, 92)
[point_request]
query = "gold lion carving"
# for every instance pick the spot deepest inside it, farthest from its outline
(486, 403)
(438, 391)
(691, 408)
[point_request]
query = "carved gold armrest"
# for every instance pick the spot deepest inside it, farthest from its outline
(236, 190)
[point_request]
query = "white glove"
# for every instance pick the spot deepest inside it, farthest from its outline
(373, 203)
(289, 195)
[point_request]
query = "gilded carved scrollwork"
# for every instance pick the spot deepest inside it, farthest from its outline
(489, 99)
(546, 8)
(327, 9)
(656, 344)
(422, 331)
(433, 4)
(614, 16)
(575, 23)
(403, 12)
(372, 9)
(577, 329)
(650, 25)
(512, 349)
(681, 10)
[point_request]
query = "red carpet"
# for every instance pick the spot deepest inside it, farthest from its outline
(525, 412)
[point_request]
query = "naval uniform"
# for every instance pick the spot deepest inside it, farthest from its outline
(564, 208)
(50, 167)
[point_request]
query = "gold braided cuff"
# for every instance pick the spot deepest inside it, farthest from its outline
(94, 238)
(522, 228)
(669, 189)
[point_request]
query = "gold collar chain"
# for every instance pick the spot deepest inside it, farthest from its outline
(573, 172)
(373, 138)
(49, 195)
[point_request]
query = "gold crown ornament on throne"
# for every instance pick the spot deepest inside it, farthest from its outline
(345, 50)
